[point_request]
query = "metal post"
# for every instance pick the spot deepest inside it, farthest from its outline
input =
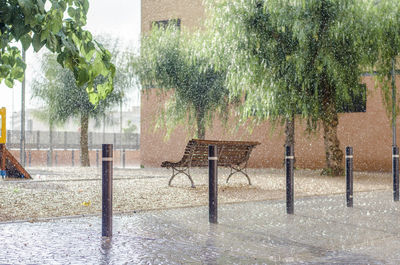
(72, 157)
(51, 146)
(48, 158)
(55, 157)
(394, 112)
(29, 158)
(349, 176)
(22, 140)
(107, 172)
(123, 158)
(104, 128)
(97, 158)
(12, 111)
(38, 140)
(65, 140)
(395, 171)
(213, 183)
(9, 136)
(289, 158)
(120, 130)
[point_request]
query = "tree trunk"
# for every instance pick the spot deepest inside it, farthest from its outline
(289, 133)
(334, 156)
(84, 140)
(330, 121)
(201, 128)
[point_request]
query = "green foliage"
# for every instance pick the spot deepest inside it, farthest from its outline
(11, 66)
(170, 61)
(292, 57)
(131, 127)
(384, 40)
(122, 58)
(58, 25)
(61, 96)
(283, 56)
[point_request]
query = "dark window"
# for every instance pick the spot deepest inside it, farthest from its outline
(358, 101)
(167, 22)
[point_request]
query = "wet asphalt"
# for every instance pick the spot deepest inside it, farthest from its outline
(322, 230)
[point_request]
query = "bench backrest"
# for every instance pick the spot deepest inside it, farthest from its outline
(229, 152)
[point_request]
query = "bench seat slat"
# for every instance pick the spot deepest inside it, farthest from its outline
(230, 154)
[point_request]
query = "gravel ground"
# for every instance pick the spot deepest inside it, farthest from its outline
(56, 192)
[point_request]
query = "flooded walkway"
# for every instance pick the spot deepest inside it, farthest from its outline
(322, 230)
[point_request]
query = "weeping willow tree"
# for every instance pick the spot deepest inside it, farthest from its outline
(264, 67)
(384, 44)
(288, 57)
(171, 62)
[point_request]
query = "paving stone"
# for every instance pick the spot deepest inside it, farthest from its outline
(322, 231)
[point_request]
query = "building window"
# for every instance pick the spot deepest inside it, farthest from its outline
(358, 102)
(167, 22)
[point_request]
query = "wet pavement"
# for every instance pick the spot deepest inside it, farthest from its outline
(322, 231)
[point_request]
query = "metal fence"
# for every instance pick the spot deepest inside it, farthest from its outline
(71, 140)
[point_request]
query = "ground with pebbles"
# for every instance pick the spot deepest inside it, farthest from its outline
(56, 192)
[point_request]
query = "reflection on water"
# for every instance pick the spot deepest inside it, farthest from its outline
(211, 247)
(323, 230)
(105, 250)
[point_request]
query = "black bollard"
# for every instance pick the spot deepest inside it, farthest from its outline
(395, 171)
(213, 184)
(72, 157)
(289, 159)
(107, 172)
(349, 176)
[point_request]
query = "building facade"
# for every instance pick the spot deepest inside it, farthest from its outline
(369, 132)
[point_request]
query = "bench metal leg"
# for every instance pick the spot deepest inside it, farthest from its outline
(236, 171)
(183, 172)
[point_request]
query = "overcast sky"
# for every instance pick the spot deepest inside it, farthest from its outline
(120, 18)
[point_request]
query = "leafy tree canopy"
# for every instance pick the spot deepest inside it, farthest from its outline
(286, 57)
(277, 52)
(384, 45)
(170, 61)
(58, 25)
(62, 97)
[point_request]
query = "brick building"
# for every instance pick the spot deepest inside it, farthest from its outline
(368, 132)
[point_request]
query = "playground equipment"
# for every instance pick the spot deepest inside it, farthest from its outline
(3, 125)
(9, 165)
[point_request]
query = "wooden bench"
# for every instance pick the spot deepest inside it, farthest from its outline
(232, 154)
